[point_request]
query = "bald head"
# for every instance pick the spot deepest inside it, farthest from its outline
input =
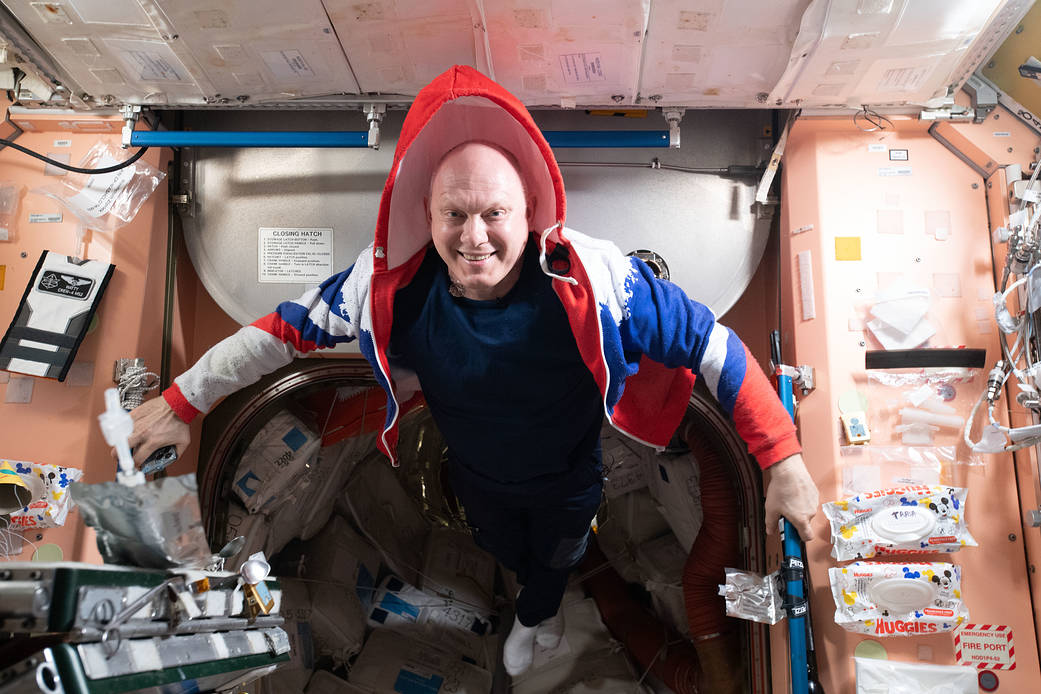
(480, 218)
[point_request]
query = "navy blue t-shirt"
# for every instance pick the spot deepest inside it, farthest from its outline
(504, 380)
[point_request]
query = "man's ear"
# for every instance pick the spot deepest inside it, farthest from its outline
(426, 210)
(530, 211)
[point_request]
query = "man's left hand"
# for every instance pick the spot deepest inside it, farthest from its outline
(791, 493)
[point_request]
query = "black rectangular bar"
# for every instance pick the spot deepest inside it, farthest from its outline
(924, 358)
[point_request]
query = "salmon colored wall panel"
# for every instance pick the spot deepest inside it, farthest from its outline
(838, 178)
(59, 425)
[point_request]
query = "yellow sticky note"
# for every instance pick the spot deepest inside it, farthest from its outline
(847, 248)
(3, 271)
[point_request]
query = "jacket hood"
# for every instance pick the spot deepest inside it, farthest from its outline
(459, 105)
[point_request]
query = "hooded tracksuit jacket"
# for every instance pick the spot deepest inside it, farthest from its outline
(642, 339)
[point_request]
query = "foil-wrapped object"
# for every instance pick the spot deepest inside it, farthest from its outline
(156, 525)
(751, 596)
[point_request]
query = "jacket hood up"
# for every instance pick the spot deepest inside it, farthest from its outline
(459, 105)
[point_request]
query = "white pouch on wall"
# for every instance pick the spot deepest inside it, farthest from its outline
(897, 599)
(916, 519)
(875, 676)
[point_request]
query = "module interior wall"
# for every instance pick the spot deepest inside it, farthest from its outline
(832, 181)
(59, 424)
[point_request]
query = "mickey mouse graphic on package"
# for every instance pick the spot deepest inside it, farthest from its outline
(898, 599)
(53, 315)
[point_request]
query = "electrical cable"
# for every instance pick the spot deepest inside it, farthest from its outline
(75, 169)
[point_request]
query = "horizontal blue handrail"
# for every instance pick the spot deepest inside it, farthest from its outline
(230, 138)
(323, 138)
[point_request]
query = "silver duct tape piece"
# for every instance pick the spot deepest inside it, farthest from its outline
(751, 596)
(145, 655)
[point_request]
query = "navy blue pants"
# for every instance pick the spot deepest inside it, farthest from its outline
(541, 538)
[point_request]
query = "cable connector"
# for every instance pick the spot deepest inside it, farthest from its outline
(130, 113)
(995, 379)
(673, 116)
(374, 114)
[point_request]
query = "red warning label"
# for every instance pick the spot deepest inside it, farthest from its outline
(985, 646)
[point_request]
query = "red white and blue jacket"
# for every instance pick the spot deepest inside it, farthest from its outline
(642, 338)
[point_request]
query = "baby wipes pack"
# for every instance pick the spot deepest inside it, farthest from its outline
(916, 519)
(897, 599)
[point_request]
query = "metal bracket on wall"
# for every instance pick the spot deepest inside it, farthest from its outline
(184, 198)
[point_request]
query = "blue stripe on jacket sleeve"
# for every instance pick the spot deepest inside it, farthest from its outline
(663, 323)
(329, 301)
(733, 374)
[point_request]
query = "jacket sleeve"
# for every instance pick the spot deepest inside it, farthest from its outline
(661, 322)
(323, 317)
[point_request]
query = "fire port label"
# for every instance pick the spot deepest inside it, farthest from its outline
(985, 647)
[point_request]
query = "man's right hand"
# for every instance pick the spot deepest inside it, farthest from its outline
(156, 425)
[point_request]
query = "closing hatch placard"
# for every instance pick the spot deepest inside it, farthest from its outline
(287, 254)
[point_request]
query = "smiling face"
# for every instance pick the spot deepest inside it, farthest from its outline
(479, 219)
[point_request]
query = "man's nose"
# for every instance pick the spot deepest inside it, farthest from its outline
(475, 231)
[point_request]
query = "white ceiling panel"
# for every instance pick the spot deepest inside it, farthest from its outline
(720, 53)
(262, 49)
(565, 52)
(571, 53)
(882, 52)
(398, 46)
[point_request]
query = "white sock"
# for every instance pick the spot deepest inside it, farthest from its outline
(551, 630)
(519, 649)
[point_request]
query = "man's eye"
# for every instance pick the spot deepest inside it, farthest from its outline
(496, 214)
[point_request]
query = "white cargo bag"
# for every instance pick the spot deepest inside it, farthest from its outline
(275, 462)
(393, 662)
(437, 620)
(326, 479)
(661, 563)
(584, 636)
(339, 554)
(375, 500)
(628, 521)
(323, 682)
(458, 569)
(337, 621)
(625, 463)
(674, 482)
(294, 606)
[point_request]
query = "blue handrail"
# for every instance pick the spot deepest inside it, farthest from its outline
(360, 138)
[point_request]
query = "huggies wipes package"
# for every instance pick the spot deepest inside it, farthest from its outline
(918, 519)
(896, 599)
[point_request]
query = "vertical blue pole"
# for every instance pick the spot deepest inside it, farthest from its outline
(792, 547)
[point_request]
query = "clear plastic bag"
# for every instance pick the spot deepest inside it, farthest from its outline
(9, 196)
(922, 407)
(867, 468)
(105, 201)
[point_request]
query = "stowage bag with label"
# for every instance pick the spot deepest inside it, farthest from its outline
(54, 315)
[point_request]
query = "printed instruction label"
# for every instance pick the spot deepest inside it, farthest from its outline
(153, 66)
(1002, 133)
(44, 218)
(906, 79)
(895, 171)
(580, 68)
(294, 254)
(287, 64)
(876, 147)
(102, 191)
(985, 647)
(63, 143)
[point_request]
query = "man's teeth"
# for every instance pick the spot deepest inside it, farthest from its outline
(477, 257)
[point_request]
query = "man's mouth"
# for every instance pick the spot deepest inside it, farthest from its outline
(476, 258)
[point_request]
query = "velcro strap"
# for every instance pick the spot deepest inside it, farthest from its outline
(21, 332)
